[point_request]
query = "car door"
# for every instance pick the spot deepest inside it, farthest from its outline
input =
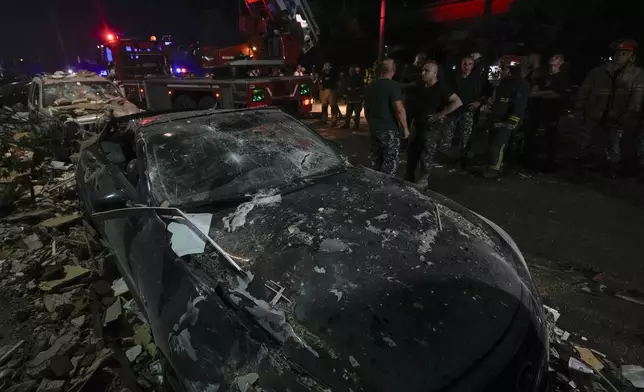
(102, 186)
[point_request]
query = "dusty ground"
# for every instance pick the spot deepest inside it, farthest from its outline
(569, 232)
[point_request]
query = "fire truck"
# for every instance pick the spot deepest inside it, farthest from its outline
(237, 76)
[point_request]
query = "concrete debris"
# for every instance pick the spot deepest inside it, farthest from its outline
(574, 368)
(634, 374)
(52, 265)
(32, 242)
(119, 287)
(133, 353)
(72, 273)
(7, 351)
(245, 383)
(113, 312)
(61, 222)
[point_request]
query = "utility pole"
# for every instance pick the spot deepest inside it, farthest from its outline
(381, 37)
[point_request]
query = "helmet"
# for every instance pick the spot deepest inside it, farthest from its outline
(476, 56)
(626, 44)
(509, 61)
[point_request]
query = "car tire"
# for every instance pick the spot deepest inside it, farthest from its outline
(208, 102)
(184, 102)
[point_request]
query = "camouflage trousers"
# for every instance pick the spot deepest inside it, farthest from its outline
(611, 136)
(424, 143)
(385, 149)
(461, 125)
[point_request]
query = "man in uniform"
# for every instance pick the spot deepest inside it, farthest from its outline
(547, 105)
(610, 100)
(468, 86)
(431, 122)
(385, 114)
(506, 112)
(328, 88)
(355, 95)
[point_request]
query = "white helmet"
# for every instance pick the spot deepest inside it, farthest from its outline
(476, 56)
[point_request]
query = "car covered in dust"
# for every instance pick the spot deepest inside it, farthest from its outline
(82, 97)
(263, 260)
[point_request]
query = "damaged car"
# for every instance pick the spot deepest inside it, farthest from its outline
(263, 260)
(82, 98)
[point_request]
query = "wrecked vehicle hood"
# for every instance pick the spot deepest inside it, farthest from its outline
(368, 283)
(88, 112)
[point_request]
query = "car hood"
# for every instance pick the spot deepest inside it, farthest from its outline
(368, 283)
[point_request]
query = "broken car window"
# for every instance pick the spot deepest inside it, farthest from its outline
(230, 155)
(69, 93)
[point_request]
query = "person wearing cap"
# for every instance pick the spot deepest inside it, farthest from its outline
(610, 101)
(547, 104)
(506, 112)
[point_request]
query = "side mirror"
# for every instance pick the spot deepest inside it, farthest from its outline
(111, 201)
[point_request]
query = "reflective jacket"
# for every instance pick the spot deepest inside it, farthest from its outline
(510, 100)
(611, 94)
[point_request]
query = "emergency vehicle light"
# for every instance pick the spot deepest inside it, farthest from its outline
(304, 89)
(153, 38)
(258, 94)
(110, 37)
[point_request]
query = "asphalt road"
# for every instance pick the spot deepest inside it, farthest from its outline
(569, 230)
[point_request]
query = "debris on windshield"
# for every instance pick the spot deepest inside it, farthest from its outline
(634, 374)
(238, 218)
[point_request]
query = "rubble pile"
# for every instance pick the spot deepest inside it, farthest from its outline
(574, 366)
(68, 321)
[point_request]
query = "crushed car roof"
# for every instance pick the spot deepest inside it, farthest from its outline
(65, 77)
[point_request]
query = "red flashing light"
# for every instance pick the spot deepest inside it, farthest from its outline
(183, 70)
(110, 37)
(307, 102)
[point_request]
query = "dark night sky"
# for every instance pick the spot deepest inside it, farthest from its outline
(30, 29)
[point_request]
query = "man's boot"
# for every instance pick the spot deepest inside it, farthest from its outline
(356, 124)
(346, 124)
(423, 180)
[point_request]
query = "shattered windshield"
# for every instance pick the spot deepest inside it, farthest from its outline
(69, 93)
(229, 155)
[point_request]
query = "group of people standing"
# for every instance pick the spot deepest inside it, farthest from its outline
(431, 111)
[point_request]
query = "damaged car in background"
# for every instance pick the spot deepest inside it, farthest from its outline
(264, 261)
(82, 98)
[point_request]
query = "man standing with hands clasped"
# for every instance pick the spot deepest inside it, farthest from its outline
(385, 114)
(431, 123)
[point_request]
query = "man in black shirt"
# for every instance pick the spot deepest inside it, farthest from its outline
(547, 105)
(469, 88)
(435, 101)
(328, 87)
(411, 79)
(385, 114)
(355, 95)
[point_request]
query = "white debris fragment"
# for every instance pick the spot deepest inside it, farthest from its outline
(579, 366)
(634, 374)
(319, 270)
(389, 341)
(333, 245)
(337, 294)
(245, 383)
(238, 218)
(133, 352)
(422, 215)
(382, 217)
(353, 361)
(553, 313)
(119, 287)
(426, 241)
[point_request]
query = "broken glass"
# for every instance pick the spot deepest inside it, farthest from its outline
(231, 155)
